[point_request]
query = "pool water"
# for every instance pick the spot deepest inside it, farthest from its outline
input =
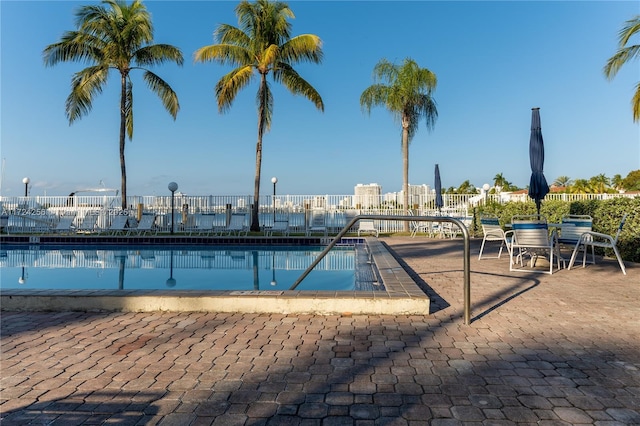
(184, 268)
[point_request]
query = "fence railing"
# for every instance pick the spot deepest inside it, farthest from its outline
(42, 212)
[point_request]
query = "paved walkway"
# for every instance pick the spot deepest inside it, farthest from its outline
(545, 350)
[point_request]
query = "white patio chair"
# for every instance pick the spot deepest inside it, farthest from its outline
(367, 226)
(317, 223)
(530, 237)
(65, 224)
(492, 231)
(146, 225)
(118, 224)
(597, 239)
(237, 225)
(571, 229)
(88, 224)
(280, 226)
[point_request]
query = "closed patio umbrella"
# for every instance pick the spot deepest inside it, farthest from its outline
(538, 186)
(438, 188)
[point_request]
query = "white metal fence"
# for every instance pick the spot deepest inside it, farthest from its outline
(41, 213)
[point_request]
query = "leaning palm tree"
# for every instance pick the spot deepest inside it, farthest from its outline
(625, 54)
(262, 44)
(562, 181)
(406, 91)
(114, 36)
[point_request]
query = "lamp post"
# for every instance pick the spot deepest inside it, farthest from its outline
(274, 180)
(486, 187)
(26, 186)
(171, 282)
(273, 269)
(173, 187)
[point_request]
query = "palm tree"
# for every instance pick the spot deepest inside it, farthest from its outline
(115, 36)
(599, 183)
(500, 182)
(407, 95)
(262, 44)
(616, 182)
(580, 186)
(623, 55)
(562, 181)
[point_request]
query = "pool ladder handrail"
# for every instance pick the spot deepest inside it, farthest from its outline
(458, 223)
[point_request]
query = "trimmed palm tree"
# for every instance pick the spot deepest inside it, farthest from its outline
(626, 54)
(405, 90)
(114, 36)
(262, 44)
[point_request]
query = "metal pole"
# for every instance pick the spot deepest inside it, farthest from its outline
(466, 256)
(274, 202)
(172, 211)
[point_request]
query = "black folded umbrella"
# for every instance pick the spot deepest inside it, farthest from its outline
(538, 186)
(438, 189)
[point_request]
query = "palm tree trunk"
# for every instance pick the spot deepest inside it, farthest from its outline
(255, 219)
(123, 122)
(405, 169)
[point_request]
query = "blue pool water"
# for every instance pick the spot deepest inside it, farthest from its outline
(183, 268)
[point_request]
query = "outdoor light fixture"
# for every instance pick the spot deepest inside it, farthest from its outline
(26, 185)
(173, 187)
(273, 269)
(274, 180)
(486, 187)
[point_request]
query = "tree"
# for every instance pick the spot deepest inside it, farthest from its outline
(499, 182)
(114, 36)
(562, 181)
(262, 44)
(616, 182)
(599, 184)
(580, 186)
(467, 187)
(626, 54)
(406, 91)
(632, 181)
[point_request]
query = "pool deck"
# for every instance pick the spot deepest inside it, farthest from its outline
(561, 349)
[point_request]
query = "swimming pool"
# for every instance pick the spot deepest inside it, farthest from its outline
(99, 267)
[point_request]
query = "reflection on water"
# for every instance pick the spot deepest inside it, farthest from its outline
(180, 268)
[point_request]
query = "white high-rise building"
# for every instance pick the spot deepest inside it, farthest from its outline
(366, 196)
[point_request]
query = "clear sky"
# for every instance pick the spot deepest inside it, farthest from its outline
(494, 62)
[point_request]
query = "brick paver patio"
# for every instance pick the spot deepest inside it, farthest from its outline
(545, 350)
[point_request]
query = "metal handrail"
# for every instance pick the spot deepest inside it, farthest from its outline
(466, 260)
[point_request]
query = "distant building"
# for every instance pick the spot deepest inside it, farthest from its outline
(367, 196)
(418, 195)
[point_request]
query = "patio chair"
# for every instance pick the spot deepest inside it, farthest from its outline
(118, 224)
(280, 226)
(492, 231)
(236, 225)
(205, 224)
(571, 228)
(146, 225)
(65, 224)
(367, 226)
(88, 224)
(597, 239)
(530, 237)
(317, 223)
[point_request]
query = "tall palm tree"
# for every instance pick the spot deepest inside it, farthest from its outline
(562, 181)
(406, 91)
(625, 54)
(499, 181)
(262, 44)
(114, 36)
(599, 183)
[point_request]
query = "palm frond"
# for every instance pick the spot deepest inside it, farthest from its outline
(230, 84)
(166, 94)
(158, 54)
(298, 85)
(224, 54)
(85, 85)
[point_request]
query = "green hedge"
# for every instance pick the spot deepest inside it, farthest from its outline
(606, 216)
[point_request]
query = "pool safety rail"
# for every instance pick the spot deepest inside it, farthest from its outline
(458, 223)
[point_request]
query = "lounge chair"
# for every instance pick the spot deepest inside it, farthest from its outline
(146, 225)
(236, 225)
(367, 226)
(204, 224)
(118, 224)
(493, 232)
(88, 224)
(597, 239)
(280, 226)
(317, 223)
(65, 224)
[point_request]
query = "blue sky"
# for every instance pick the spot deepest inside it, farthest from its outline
(494, 62)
